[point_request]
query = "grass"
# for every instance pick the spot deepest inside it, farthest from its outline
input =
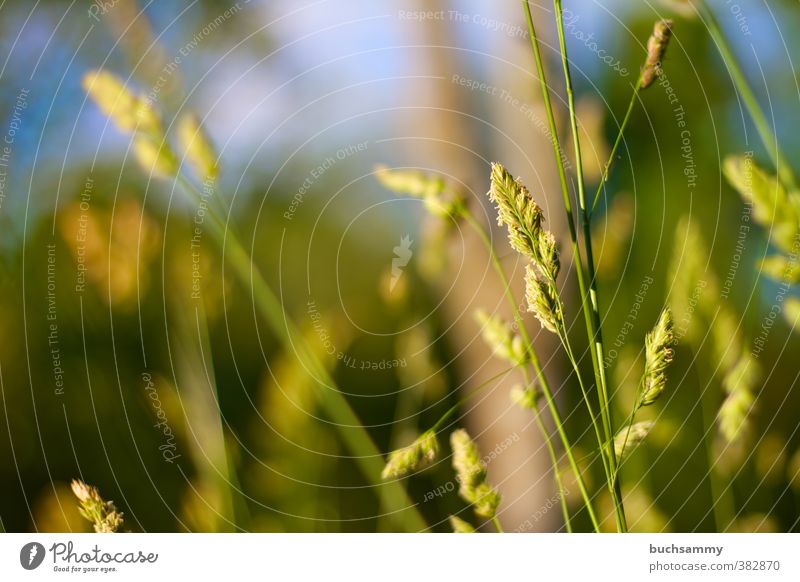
(524, 219)
(512, 342)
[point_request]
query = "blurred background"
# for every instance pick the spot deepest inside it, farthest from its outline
(129, 362)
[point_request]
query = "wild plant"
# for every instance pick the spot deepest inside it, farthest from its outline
(155, 149)
(523, 218)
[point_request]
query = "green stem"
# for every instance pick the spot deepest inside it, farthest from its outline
(562, 492)
(588, 311)
(393, 496)
(768, 137)
(557, 420)
(497, 525)
(636, 407)
(595, 335)
(610, 162)
(571, 356)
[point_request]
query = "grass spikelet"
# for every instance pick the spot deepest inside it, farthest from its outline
(461, 526)
(517, 210)
(526, 398)
(739, 383)
(128, 111)
(197, 146)
(631, 437)
(419, 453)
(156, 159)
(658, 355)
(471, 474)
(782, 269)
(485, 500)
(498, 334)
(733, 414)
(430, 188)
(103, 514)
(773, 208)
(791, 312)
(541, 300)
(656, 48)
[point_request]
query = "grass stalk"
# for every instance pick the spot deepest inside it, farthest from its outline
(546, 391)
(562, 492)
(596, 335)
(604, 177)
(588, 296)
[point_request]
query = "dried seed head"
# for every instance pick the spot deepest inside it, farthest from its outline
(431, 189)
(128, 111)
(155, 158)
(656, 47)
(419, 453)
(541, 300)
(103, 514)
(460, 526)
(630, 437)
(471, 474)
(658, 354)
(197, 146)
(525, 397)
(498, 334)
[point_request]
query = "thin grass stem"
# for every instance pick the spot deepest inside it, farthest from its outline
(604, 178)
(588, 296)
(548, 395)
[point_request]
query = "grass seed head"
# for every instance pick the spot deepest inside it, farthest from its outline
(656, 47)
(504, 341)
(430, 188)
(517, 210)
(103, 514)
(155, 158)
(128, 111)
(461, 526)
(418, 454)
(659, 344)
(471, 474)
(631, 437)
(541, 300)
(526, 398)
(197, 146)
